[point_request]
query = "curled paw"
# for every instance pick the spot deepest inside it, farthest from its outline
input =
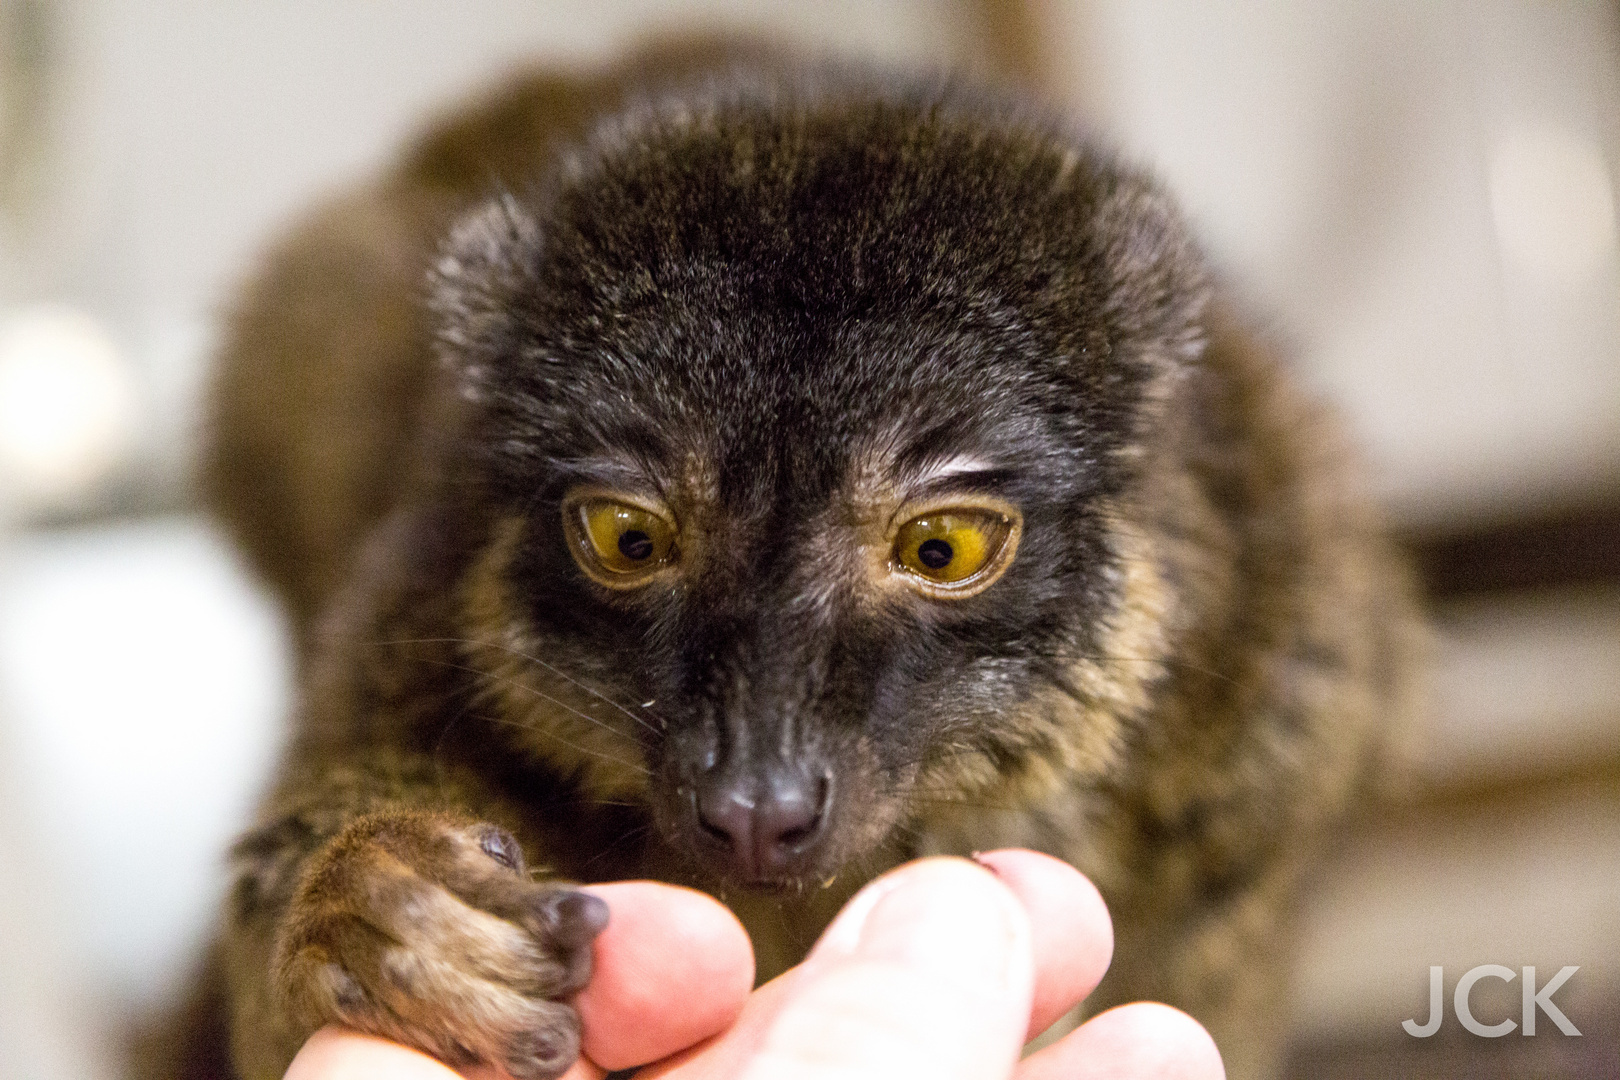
(428, 930)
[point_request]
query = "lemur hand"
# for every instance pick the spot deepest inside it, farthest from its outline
(427, 929)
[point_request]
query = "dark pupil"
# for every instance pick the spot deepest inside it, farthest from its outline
(934, 554)
(635, 544)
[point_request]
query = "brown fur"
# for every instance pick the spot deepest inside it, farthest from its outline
(1261, 624)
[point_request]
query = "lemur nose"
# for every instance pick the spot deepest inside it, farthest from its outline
(769, 822)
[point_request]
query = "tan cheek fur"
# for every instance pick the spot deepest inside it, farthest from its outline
(555, 716)
(1069, 739)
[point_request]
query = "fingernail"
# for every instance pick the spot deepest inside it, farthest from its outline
(843, 937)
(951, 922)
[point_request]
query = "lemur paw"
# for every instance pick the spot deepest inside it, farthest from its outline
(428, 930)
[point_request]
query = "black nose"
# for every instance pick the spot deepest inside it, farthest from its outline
(769, 822)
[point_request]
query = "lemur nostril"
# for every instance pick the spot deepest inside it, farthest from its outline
(798, 834)
(726, 813)
(788, 818)
(793, 836)
(767, 823)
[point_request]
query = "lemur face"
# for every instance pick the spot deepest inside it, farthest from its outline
(809, 428)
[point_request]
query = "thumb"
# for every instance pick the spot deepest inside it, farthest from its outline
(927, 972)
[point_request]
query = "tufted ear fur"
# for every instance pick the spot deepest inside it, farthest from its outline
(1161, 286)
(491, 257)
(1151, 287)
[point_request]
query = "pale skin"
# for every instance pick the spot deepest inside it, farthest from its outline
(940, 969)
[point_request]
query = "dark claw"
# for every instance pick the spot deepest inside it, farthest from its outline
(573, 918)
(540, 1055)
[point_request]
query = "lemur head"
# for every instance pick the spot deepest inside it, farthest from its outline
(808, 416)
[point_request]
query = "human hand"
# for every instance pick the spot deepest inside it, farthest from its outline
(937, 968)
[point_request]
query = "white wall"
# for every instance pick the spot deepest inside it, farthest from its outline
(1421, 195)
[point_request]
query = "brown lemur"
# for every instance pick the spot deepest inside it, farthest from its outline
(752, 481)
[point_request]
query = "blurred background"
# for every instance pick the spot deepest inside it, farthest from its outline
(1420, 197)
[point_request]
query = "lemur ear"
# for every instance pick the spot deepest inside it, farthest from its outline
(489, 260)
(1160, 285)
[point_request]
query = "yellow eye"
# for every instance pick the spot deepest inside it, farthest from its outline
(623, 539)
(951, 546)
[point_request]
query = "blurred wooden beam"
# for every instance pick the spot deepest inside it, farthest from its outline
(1571, 547)
(1009, 37)
(1502, 793)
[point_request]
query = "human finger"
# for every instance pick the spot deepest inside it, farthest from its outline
(335, 1053)
(1071, 935)
(662, 944)
(1073, 938)
(673, 967)
(929, 973)
(1144, 1041)
(339, 1053)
